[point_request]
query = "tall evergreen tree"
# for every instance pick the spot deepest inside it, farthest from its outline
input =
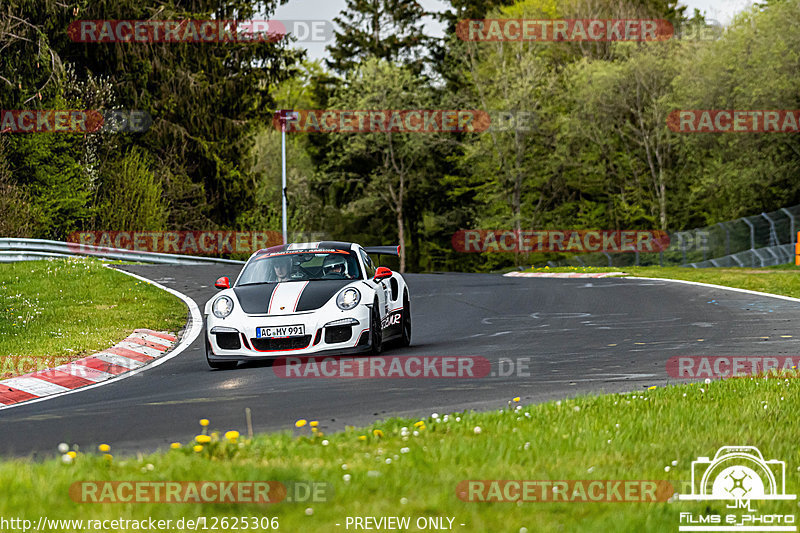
(384, 29)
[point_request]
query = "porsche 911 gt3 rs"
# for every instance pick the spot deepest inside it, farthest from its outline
(322, 298)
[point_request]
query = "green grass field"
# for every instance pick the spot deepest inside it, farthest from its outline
(649, 435)
(412, 468)
(57, 311)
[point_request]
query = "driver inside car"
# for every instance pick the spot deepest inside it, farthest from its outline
(282, 267)
(335, 267)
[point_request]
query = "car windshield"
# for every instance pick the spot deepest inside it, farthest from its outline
(300, 265)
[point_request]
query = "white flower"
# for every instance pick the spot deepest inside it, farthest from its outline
(325, 442)
(590, 469)
(344, 467)
(434, 415)
(347, 478)
(63, 447)
(403, 501)
(405, 450)
(477, 430)
(527, 445)
(708, 380)
(576, 408)
(458, 419)
(309, 511)
(666, 469)
(416, 433)
(523, 530)
(150, 466)
(388, 460)
(674, 463)
(373, 473)
(66, 458)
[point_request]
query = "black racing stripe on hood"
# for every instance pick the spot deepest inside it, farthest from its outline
(317, 293)
(254, 299)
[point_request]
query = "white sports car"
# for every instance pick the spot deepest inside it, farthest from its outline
(307, 298)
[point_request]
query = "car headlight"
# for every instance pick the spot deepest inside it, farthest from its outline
(348, 299)
(222, 307)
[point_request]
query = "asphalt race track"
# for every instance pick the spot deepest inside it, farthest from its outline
(574, 335)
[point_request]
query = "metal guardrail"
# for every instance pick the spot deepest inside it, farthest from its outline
(12, 250)
(761, 240)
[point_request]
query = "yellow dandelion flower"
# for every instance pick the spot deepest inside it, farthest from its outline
(108, 457)
(72, 454)
(215, 435)
(362, 437)
(516, 399)
(313, 423)
(418, 424)
(377, 432)
(653, 387)
(104, 448)
(175, 445)
(204, 422)
(203, 439)
(197, 448)
(232, 435)
(300, 423)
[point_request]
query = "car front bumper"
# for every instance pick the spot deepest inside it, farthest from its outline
(344, 334)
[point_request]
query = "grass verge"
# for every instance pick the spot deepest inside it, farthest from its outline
(57, 311)
(386, 470)
(412, 468)
(782, 280)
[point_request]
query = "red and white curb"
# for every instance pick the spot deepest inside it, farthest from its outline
(141, 347)
(142, 350)
(563, 274)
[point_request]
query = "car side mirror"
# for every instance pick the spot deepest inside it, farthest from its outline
(223, 283)
(382, 273)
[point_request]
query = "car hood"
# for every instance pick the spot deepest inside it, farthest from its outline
(287, 297)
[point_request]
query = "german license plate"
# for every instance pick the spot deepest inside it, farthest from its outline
(281, 331)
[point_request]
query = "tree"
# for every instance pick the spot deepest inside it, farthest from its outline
(383, 29)
(386, 165)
